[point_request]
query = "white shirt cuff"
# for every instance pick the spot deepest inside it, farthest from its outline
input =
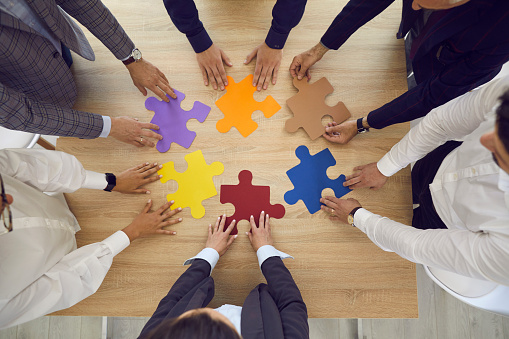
(267, 251)
(94, 180)
(387, 167)
(106, 127)
(208, 254)
(117, 242)
(360, 217)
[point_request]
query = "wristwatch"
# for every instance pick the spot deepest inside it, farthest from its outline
(112, 181)
(135, 56)
(350, 216)
(360, 127)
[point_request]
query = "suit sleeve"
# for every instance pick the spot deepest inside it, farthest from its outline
(286, 14)
(187, 283)
(19, 112)
(184, 15)
(101, 23)
(455, 79)
(287, 297)
(354, 15)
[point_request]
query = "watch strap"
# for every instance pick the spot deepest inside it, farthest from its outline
(112, 181)
(129, 61)
(360, 127)
(352, 213)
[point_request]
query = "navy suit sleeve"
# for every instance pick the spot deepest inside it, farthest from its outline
(353, 16)
(286, 294)
(453, 80)
(188, 281)
(184, 15)
(286, 14)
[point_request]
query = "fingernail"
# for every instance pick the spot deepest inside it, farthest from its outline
(299, 77)
(246, 233)
(267, 216)
(171, 202)
(146, 163)
(233, 220)
(155, 163)
(263, 212)
(235, 236)
(245, 61)
(254, 84)
(224, 215)
(180, 209)
(173, 232)
(160, 175)
(226, 83)
(160, 166)
(218, 218)
(180, 219)
(149, 200)
(252, 216)
(147, 192)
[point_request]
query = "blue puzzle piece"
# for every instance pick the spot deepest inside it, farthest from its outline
(309, 179)
(172, 120)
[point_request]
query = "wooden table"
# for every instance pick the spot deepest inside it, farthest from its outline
(340, 272)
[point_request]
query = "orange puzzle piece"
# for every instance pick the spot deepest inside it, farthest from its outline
(309, 107)
(238, 105)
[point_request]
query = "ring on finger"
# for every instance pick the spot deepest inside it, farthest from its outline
(141, 139)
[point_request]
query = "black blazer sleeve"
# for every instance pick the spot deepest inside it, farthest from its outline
(286, 294)
(179, 299)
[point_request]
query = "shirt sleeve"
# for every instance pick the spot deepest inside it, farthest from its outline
(267, 251)
(19, 112)
(75, 277)
(184, 15)
(454, 120)
(49, 171)
(478, 255)
(208, 254)
(286, 14)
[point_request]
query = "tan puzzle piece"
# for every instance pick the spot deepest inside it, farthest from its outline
(308, 107)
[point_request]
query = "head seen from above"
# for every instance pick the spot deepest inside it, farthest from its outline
(497, 141)
(199, 323)
(436, 4)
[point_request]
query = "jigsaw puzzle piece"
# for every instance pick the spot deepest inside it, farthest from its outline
(172, 120)
(238, 106)
(309, 179)
(308, 107)
(249, 200)
(194, 185)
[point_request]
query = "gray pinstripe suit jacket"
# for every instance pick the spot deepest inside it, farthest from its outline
(37, 89)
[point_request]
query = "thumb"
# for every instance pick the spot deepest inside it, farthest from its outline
(250, 56)
(334, 129)
(302, 71)
(250, 236)
(226, 59)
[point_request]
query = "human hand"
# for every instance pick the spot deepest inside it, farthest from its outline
(211, 65)
(342, 133)
(131, 131)
(219, 238)
(144, 74)
(129, 181)
(267, 65)
(147, 223)
(339, 209)
(301, 63)
(366, 176)
(261, 235)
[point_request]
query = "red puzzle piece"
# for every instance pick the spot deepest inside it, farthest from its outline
(249, 200)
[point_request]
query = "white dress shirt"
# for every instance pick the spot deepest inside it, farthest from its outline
(41, 269)
(233, 312)
(470, 192)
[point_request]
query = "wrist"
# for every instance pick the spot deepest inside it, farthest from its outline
(131, 233)
(320, 50)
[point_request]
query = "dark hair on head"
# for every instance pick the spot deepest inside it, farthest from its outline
(503, 119)
(195, 326)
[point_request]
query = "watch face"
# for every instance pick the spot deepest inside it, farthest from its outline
(350, 219)
(136, 54)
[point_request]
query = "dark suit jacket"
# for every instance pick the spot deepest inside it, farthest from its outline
(464, 49)
(37, 89)
(274, 310)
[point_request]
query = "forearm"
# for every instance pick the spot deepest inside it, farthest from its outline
(286, 14)
(184, 15)
(475, 254)
(75, 277)
(102, 24)
(354, 15)
(49, 171)
(19, 112)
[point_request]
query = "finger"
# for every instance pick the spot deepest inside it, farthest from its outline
(171, 222)
(256, 77)
(294, 67)
(227, 61)
(140, 167)
(262, 219)
(141, 89)
(146, 133)
(230, 227)
(308, 74)
(157, 91)
(263, 76)
(266, 80)
(141, 191)
(223, 221)
(230, 240)
(171, 213)
(222, 74)
(253, 224)
(216, 226)
(167, 89)
(145, 142)
(161, 74)
(267, 222)
(353, 175)
(149, 126)
(359, 168)
(302, 72)
(151, 169)
(147, 206)
(274, 75)
(212, 77)
(250, 236)
(210, 230)
(166, 232)
(250, 56)
(164, 207)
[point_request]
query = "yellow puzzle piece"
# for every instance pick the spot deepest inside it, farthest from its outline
(195, 184)
(238, 105)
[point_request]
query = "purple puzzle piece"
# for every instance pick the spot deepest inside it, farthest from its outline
(172, 120)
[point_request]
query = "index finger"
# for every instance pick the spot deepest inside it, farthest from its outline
(149, 125)
(165, 86)
(230, 227)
